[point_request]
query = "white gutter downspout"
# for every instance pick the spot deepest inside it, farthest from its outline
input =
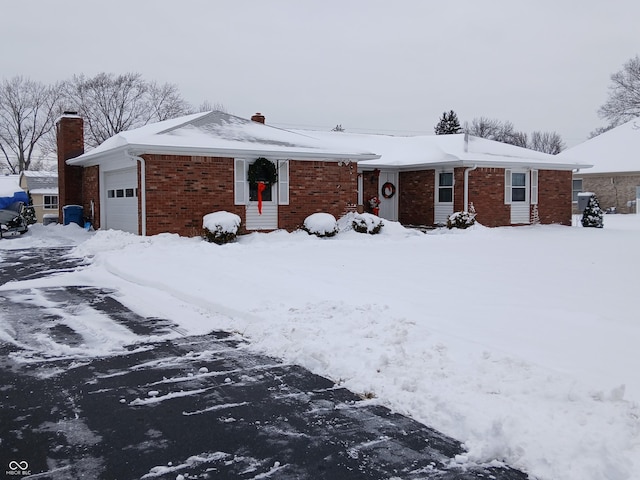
(466, 174)
(466, 187)
(143, 192)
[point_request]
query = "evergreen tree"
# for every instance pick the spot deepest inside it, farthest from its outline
(29, 212)
(592, 215)
(448, 124)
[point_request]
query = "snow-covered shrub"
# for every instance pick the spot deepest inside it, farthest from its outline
(367, 223)
(221, 227)
(321, 225)
(461, 220)
(592, 215)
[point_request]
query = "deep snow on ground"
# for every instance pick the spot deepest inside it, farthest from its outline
(521, 342)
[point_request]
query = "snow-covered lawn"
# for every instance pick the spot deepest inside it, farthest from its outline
(524, 343)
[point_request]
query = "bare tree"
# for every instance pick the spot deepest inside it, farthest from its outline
(208, 106)
(166, 102)
(493, 129)
(505, 132)
(601, 130)
(111, 104)
(547, 142)
(623, 103)
(28, 110)
(483, 127)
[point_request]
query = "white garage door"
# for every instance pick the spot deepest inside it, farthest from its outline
(122, 200)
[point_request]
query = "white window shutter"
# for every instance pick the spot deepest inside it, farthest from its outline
(534, 187)
(283, 182)
(507, 186)
(240, 187)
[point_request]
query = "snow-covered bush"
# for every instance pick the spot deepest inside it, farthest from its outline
(461, 220)
(592, 215)
(367, 223)
(321, 225)
(221, 227)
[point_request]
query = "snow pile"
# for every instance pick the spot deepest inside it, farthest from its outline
(365, 222)
(321, 225)
(221, 227)
(489, 335)
(224, 222)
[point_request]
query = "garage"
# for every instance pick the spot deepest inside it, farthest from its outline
(121, 200)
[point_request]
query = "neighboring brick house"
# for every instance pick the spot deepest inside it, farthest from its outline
(166, 176)
(43, 187)
(615, 176)
(421, 180)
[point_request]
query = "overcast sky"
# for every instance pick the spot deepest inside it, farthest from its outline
(388, 66)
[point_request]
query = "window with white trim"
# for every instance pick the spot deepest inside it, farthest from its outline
(576, 188)
(445, 187)
(50, 202)
(518, 187)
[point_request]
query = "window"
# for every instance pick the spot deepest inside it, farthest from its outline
(128, 192)
(119, 193)
(445, 187)
(577, 188)
(111, 193)
(50, 202)
(253, 193)
(518, 187)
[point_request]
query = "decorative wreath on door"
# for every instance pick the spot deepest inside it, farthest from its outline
(388, 190)
(262, 170)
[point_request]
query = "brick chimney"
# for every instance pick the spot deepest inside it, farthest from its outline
(258, 117)
(70, 140)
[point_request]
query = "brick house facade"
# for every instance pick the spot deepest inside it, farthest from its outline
(615, 175)
(486, 190)
(614, 190)
(174, 191)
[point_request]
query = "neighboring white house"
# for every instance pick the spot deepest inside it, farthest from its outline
(615, 176)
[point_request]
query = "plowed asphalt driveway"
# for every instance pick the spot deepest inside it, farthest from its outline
(184, 407)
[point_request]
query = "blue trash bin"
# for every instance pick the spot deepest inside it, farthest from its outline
(72, 214)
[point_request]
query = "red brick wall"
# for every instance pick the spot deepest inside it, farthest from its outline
(554, 196)
(91, 191)
(416, 192)
(486, 192)
(370, 180)
(317, 187)
(70, 144)
(182, 189)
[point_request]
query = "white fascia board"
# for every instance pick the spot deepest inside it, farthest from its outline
(89, 160)
(250, 153)
(470, 163)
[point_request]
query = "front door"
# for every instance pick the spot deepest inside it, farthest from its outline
(388, 195)
(265, 218)
(262, 205)
(443, 205)
(520, 210)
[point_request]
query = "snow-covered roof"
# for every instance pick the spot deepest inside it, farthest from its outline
(9, 184)
(44, 191)
(614, 151)
(220, 134)
(41, 180)
(427, 151)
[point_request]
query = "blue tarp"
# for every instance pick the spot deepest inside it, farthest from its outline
(17, 197)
